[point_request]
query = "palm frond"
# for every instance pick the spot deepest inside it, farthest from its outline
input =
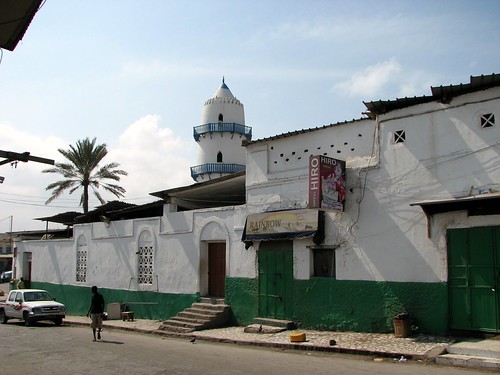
(83, 171)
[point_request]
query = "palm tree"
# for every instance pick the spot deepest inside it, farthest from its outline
(83, 171)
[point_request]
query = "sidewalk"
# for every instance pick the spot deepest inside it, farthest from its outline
(418, 347)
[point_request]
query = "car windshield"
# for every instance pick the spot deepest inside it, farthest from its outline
(37, 296)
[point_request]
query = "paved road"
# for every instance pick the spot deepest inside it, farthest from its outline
(47, 349)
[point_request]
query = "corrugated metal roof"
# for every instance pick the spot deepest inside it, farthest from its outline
(65, 218)
(15, 18)
(223, 191)
(484, 204)
(443, 94)
(296, 132)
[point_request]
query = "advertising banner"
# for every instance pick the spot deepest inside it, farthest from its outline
(326, 183)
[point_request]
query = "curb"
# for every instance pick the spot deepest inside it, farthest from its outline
(428, 357)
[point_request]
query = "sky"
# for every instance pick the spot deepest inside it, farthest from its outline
(135, 74)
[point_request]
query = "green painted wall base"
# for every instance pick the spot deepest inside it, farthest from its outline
(319, 303)
(146, 305)
(241, 295)
(360, 306)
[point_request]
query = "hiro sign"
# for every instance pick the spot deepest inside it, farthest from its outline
(326, 183)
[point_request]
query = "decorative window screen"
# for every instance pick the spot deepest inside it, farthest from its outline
(81, 260)
(146, 258)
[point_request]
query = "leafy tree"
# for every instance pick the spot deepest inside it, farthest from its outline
(83, 171)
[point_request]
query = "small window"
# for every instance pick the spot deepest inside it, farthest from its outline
(399, 136)
(487, 120)
(219, 157)
(324, 263)
(221, 117)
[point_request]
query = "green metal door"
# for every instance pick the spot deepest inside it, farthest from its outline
(276, 280)
(474, 278)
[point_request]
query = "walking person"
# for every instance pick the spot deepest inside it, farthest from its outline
(96, 310)
(20, 283)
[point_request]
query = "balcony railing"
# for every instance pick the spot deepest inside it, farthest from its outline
(215, 168)
(229, 127)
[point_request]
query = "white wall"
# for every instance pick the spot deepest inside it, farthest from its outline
(178, 239)
(380, 236)
(231, 108)
(227, 143)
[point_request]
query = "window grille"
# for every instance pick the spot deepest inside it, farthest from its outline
(146, 259)
(81, 260)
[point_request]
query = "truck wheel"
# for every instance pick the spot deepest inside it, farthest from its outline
(3, 317)
(58, 321)
(27, 320)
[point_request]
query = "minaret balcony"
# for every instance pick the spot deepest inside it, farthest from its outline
(208, 168)
(220, 127)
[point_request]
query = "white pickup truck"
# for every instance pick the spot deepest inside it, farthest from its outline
(31, 305)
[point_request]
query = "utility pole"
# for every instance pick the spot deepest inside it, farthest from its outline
(24, 157)
(12, 248)
(14, 157)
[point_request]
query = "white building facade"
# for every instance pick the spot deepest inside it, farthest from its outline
(419, 232)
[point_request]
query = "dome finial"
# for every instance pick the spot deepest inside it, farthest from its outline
(224, 86)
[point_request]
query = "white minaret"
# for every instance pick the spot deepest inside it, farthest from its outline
(220, 135)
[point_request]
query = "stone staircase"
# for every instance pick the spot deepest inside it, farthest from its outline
(207, 314)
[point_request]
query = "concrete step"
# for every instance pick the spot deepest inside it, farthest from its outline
(468, 361)
(212, 300)
(184, 319)
(287, 324)
(478, 353)
(486, 348)
(176, 329)
(209, 306)
(259, 328)
(199, 311)
(196, 314)
(180, 323)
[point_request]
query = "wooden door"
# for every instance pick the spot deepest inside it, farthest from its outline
(216, 269)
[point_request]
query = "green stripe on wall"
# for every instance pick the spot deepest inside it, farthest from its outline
(146, 305)
(344, 305)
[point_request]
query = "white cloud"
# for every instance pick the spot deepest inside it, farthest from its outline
(371, 80)
(416, 84)
(153, 157)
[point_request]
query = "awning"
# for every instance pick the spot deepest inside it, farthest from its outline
(290, 224)
(484, 204)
